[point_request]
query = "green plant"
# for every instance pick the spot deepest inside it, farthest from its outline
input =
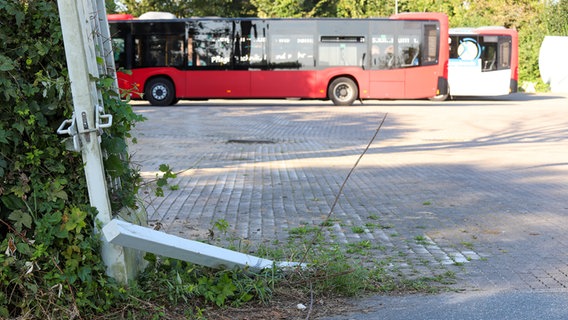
(467, 244)
(361, 247)
(303, 230)
(358, 229)
(179, 281)
(49, 253)
(372, 226)
(328, 222)
(222, 225)
(422, 240)
(163, 180)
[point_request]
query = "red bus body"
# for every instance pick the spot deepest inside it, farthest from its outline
(415, 82)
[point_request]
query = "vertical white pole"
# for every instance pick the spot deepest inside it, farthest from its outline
(82, 65)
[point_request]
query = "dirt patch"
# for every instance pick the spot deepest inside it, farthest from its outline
(284, 309)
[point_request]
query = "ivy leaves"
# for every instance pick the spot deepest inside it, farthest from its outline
(49, 253)
(21, 219)
(6, 64)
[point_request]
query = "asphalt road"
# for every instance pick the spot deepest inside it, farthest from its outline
(475, 186)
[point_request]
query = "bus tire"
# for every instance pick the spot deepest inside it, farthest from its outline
(160, 92)
(440, 97)
(343, 91)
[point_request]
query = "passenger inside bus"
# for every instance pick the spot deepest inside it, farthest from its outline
(410, 57)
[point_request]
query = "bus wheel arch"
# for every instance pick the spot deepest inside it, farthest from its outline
(160, 91)
(343, 91)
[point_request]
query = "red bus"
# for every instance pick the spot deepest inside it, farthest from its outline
(484, 61)
(165, 60)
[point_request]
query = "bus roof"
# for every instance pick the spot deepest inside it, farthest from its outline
(482, 30)
(157, 15)
(419, 16)
(120, 16)
(169, 16)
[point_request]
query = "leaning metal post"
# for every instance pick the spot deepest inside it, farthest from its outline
(89, 119)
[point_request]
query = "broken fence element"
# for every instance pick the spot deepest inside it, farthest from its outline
(149, 240)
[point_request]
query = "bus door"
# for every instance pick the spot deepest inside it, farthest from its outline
(209, 47)
(495, 62)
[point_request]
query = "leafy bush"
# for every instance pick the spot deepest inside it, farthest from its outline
(50, 264)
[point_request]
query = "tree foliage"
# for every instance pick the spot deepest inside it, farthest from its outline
(556, 18)
(191, 8)
(365, 8)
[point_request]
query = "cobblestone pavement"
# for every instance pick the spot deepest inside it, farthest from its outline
(479, 187)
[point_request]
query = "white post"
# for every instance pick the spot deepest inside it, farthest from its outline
(82, 65)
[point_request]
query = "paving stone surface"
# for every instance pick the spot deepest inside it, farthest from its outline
(477, 187)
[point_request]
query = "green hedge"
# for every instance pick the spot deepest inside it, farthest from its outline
(49, 257)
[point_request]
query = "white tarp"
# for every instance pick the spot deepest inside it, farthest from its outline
(553, 63)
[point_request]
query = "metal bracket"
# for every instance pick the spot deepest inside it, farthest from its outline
(69, 127)
(102, 120)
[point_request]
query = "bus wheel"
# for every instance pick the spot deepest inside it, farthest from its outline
(160, 92)
(441, 97)
(343, 91)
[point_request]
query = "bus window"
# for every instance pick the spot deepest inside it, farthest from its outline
(382, 52)
(489, 56)
(430, 54)
(158, 51)
(409, 50)
(408, 44)
(292, 44)
(375, 55)
(119, 52)
(504, 53)
(212, 43)
(249, 45)
(193, 59)
(174, 51)
(454, 44)
(341, 51)
(149, 51)
(305, 51)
